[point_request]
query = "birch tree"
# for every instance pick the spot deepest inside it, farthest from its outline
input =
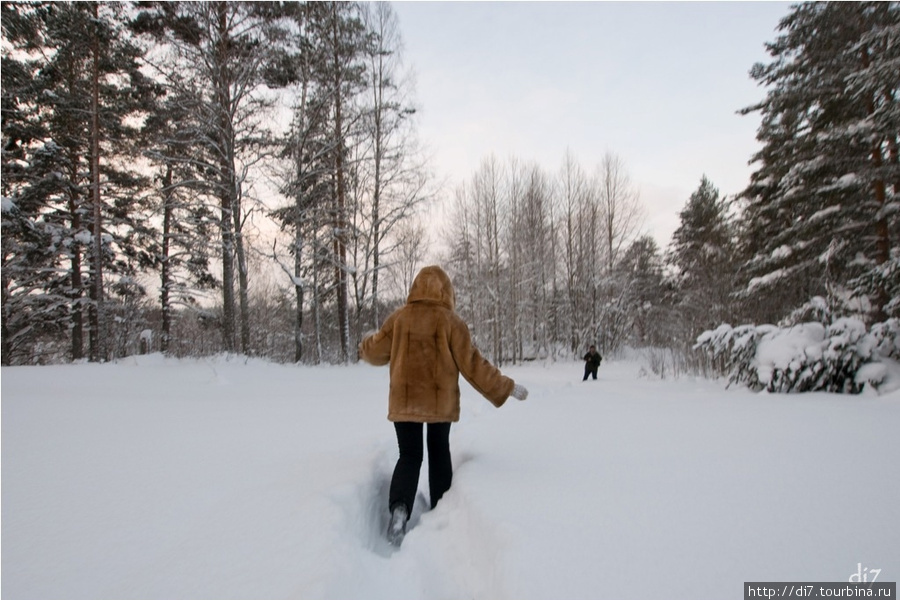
(580, 250)
(620, 216)
(392, 178)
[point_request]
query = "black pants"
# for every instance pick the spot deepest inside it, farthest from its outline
(406, 473)
(590, 369)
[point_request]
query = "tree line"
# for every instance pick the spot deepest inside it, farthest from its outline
(551, 262)
(142, 138)
(148, 146)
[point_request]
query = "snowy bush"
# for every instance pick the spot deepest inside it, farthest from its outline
(887, 337)
(734, 349)
(816, 309)
(841, 357)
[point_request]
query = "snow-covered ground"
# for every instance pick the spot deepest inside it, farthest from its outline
(162, 479)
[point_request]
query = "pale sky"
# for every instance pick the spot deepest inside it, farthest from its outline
(657, 83)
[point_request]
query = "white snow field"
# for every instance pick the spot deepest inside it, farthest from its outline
(156, 478)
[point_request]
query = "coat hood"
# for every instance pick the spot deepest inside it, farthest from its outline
(432, 284)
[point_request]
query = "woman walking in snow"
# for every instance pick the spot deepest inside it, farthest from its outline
(428, 345)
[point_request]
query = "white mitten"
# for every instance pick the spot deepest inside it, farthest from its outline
(519, 392)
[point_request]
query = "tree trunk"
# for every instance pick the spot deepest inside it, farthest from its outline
(317, 313)
(298, 290)
(227, 276)
(893, 152)
(340, 217)
(495, 271)
(165, 270)
(77, 290)
(378, 141)
(376, 201)
(243, 275)
(226, 177)
(882, 233)
(97, 340)
(5, 334)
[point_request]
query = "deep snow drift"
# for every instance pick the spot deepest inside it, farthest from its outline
(161, 479)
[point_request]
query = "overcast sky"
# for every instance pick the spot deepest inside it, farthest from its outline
(658, 83)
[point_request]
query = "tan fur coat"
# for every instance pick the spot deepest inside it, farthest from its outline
(428, 345)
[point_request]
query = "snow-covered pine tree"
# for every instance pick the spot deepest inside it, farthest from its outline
(877, 83)
(74, 104)
(821, 205)
(34, 286)
(703, 254)
(640, 273)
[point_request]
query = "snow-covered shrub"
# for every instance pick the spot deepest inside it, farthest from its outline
(881, 278)
(816, 310)
(842, 357)
(789, 359)
(887, 336)
(733, 348)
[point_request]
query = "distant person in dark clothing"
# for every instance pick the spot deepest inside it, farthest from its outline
(591, 363)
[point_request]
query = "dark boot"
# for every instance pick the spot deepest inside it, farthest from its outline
(397, 527)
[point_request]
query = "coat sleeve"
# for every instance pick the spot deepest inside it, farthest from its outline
(481, 374)
(376, 348)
